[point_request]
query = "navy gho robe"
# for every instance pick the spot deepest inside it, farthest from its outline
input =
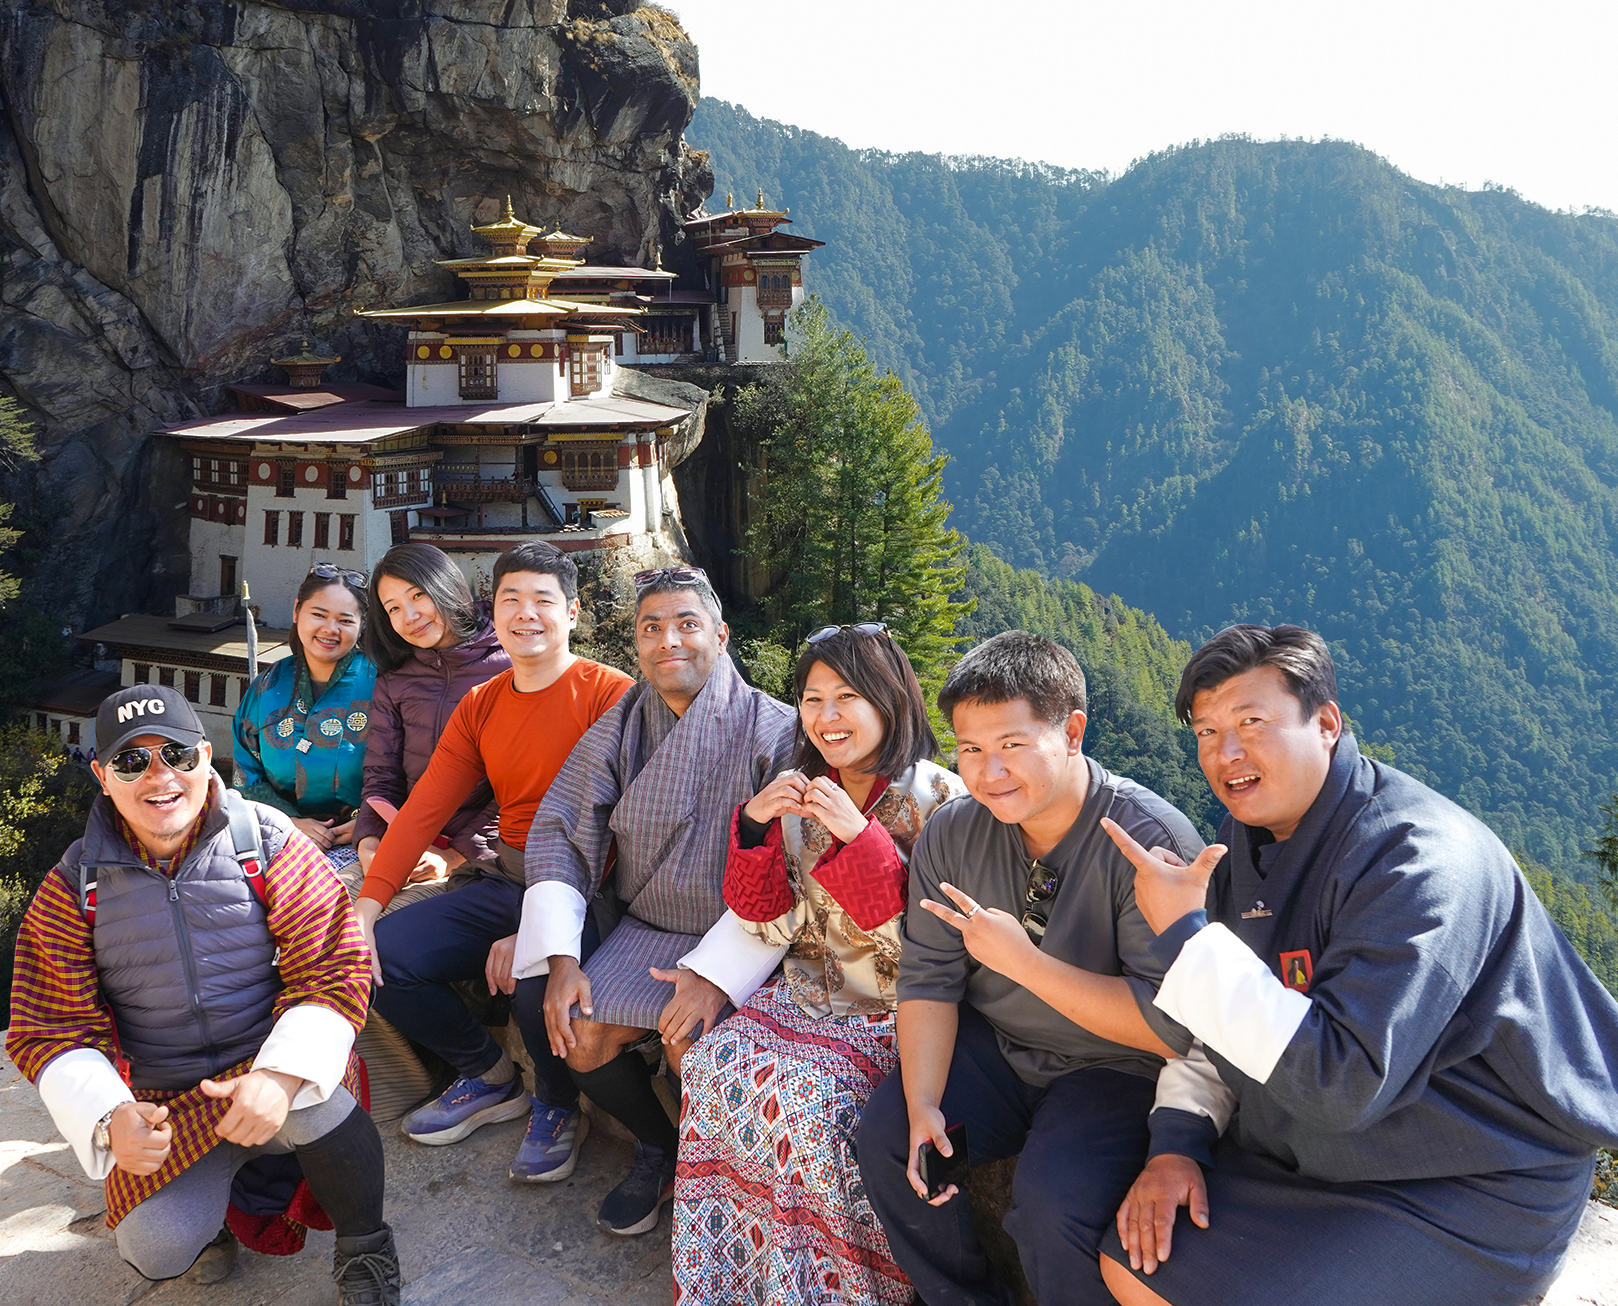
(1384, 998)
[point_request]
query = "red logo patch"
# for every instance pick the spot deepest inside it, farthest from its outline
(1297, 969)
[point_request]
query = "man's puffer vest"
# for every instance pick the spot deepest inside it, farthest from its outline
(186, 964)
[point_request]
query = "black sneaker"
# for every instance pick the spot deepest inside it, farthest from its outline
(632, 1206)
(367, 1270)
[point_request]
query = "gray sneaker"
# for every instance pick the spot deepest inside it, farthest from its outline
(216, 1261)
(366, 1270)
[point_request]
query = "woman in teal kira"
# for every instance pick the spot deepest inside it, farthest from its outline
(301, 726)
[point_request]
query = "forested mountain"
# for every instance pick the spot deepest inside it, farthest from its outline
(1132, 668)
(1274, 381)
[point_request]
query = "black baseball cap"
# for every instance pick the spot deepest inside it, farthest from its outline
(145, 710)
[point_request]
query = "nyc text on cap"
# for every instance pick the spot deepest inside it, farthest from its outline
(145, 710)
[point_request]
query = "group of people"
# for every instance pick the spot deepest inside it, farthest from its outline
(1346, 1036)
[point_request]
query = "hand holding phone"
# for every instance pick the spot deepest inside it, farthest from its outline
(938, 1171)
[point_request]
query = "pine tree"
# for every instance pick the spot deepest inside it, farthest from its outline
(847, 518)
(16, 449)
(1605, 853)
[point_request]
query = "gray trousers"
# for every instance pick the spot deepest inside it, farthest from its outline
(166, 1233)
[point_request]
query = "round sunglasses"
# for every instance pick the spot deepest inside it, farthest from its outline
(679, 575)
(1043, 882)
(133, 763)
(859, 628)
(331, 571)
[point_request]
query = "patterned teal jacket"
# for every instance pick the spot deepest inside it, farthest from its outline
(302, 754)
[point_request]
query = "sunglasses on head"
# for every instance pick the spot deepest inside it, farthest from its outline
(859, 628)
(679, 575)
(1042, 883)
(132, 763)
(331, 571)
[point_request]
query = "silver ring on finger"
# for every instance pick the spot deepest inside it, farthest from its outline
(976, 908)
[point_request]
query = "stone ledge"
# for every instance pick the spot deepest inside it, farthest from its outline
(1589, 1279)
(466, 1233)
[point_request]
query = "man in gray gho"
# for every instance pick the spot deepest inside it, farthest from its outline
(648, 794)
(1025, 989)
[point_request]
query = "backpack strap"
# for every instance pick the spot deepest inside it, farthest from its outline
(248, 841)
(87, 895)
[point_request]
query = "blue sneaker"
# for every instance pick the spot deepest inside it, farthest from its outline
(550, 1148)
(462, 1107)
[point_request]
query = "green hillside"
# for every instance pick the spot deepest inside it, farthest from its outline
(1131, 665)
(1274, 382)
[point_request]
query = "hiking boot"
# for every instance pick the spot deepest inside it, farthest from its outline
(632, 1206)
(366, 1270)
(216, 1260)
(550, 1148)
(462, 1107)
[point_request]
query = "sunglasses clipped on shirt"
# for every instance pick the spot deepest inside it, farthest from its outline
(679, 575)
(1041, 892)
(331, 571)
(132, 763)
(859, 628)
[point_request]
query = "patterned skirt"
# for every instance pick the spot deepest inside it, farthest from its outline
(769, 1206)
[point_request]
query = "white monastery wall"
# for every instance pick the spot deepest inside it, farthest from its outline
(209, 541)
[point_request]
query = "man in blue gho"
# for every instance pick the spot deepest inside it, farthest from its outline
(1407, 1070)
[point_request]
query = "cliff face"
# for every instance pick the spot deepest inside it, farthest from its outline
(186, 187)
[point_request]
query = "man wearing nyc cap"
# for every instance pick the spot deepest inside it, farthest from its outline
(1410, 1067)
(188, 1028)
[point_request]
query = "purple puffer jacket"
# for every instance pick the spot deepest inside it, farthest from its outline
(409, 710)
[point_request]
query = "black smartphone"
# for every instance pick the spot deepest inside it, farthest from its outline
(938, 1171)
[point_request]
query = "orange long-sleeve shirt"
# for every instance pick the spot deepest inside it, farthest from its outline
(516, 741)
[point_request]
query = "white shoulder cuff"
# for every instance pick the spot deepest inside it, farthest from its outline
(1191, 1083)
(78, 1088)
(734, 958)
(313, 1043)
(1221, 991)
(552, 926)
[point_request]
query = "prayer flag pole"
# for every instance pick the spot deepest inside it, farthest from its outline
(252, 634)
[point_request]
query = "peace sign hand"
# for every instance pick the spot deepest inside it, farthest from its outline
(993, 937)
(1165, 887)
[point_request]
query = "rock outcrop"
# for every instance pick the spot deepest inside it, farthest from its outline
(187, 186)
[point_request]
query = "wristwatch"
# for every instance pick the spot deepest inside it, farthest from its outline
(102, 1137)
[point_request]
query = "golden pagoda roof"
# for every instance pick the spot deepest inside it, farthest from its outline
(306, 357)
(491, 261)
(510, 229)
(504, 308)
(478, 308)
(562, 246)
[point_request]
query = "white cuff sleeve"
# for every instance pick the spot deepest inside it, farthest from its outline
(1190, 1083)
(733, 957)
(552, 926)
(313, 1043)
(78, 1088)
(1220, 990)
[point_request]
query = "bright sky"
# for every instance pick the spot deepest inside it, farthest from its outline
(1521, 93)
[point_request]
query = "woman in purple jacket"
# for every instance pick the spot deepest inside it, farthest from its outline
(431, 642)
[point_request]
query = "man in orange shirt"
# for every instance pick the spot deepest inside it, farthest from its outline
(514, 731)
